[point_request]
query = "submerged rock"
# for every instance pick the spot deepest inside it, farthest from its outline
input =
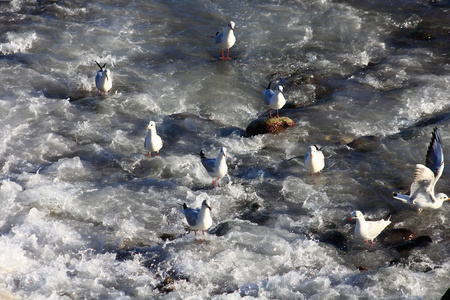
(222, 229)
(269, 125)
(335, 238)
(421, 241)
(365, 143)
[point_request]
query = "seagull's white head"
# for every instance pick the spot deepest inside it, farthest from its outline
(442, 197)
(313, 149)
(356, 215)
(151, 125)
(223, 150)
(231, 25)
(206, 204)
(280, 88)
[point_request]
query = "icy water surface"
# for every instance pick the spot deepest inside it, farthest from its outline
(86, 214)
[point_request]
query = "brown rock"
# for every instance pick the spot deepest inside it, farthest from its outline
(396, 236)
(269, 125)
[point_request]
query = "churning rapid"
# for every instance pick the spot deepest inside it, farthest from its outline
(86, 213)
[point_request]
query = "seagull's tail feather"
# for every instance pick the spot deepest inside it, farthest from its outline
(101, 68)
(403, 198)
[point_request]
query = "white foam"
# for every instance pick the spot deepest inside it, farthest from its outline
(18, 42)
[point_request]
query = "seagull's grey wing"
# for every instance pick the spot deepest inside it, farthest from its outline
(267, 96)
(191, 216)
(146, 142)
(435, 155)
(208, 163)
(423, 185)
(305, 157)
(218, 38)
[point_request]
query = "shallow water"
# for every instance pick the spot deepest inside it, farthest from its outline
(86, 214)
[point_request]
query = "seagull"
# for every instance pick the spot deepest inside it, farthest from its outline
(274, 99)
(217, 168)
(226, 39)
(153, 142)
(103, 80)
(198, 219)
(425, 178)
(368, 230)
(314, 160)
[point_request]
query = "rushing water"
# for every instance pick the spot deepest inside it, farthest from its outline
(86, 214)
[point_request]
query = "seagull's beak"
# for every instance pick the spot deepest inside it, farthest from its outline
(350, 219)
(148, 127)
(209, 207)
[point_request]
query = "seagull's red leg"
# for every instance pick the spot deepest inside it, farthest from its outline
(277, 114)
(223, 57)
(228, 54)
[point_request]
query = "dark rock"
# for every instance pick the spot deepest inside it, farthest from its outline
(255, 206)
(421, 241)
(269, 125)
(222, 229)
(395, 236)
(363, 269)
(167, 286)
(167, 236)
(336, 239)
(365, 143)
(446, 296)
(421, 35)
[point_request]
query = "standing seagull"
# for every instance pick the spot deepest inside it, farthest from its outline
(368, 230)
(103, 80)
(425, 178)
(226, 39)
(153, 142)
(274, 99)
(216, 168)
(198, 219)
(314, 160)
